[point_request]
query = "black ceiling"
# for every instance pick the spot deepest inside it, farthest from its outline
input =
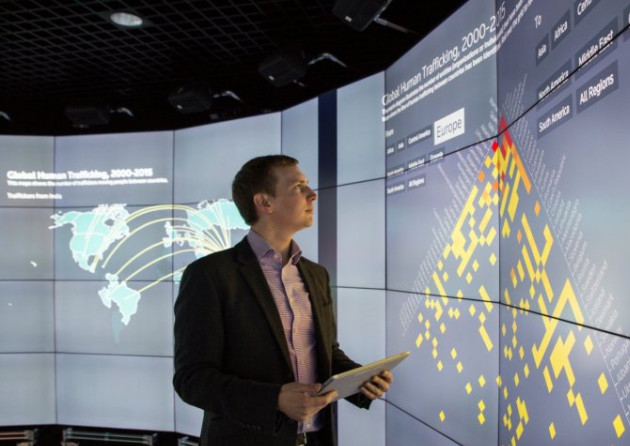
(56, 53)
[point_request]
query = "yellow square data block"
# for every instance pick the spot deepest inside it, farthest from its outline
(603, 383)
(552, 431)
(619, 427)
(588, 345)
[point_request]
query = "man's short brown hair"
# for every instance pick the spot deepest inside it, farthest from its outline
(256, 176)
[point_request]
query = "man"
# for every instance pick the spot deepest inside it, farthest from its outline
(254, 328)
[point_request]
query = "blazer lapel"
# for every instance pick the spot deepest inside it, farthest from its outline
(317, 296)
(260, 289)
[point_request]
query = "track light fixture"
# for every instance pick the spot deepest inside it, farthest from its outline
(327, 56)
(196, 98)
(284, 66)
(358, 14)
(84, 116)
(287, 65)
(191, 99)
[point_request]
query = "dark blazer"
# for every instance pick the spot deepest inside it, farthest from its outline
(231, 355)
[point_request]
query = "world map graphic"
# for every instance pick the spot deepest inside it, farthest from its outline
(110, 238)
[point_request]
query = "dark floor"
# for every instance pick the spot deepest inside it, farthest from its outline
(54, 436)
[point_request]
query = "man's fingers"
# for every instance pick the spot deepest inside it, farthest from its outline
(327, 397)
(378, 385)
(298, 400)
(387, 376)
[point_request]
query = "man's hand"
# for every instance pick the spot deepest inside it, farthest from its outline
(377, 385)
(297, 402)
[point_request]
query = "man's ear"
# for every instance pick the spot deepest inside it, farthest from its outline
(262, 203)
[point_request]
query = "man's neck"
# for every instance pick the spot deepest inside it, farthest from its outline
(277, 240)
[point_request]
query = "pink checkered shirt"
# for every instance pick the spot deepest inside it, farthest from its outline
(292, 300)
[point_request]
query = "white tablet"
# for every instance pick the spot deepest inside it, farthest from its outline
(349, 382)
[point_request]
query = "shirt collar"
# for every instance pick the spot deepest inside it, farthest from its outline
(262, 249)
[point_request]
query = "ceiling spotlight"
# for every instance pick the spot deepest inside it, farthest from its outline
(126, 19)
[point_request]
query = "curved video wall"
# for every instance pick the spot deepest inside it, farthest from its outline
(472, 210)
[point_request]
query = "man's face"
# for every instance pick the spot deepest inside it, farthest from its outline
(293, 203)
